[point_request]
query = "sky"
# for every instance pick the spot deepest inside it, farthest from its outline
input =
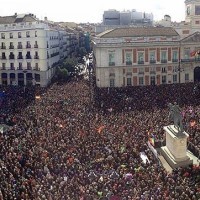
(82, 11)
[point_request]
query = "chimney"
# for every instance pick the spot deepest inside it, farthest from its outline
(15, 14)
(45, 18)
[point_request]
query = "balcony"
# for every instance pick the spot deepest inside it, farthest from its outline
(3, 37)
(12, 68)
(152, 61)
(28, 57)
(11, 57)
(11, 47)
(28, 36)
(128, 62)
(20, 68)
(19, 36)
(3, 47)
(3, 57)
(28, 46)
(36, 57)
(141, 72)
(37, 68)
(140, 62)
(54, 54)
(152, 72)
(29, 68)
(174, 60)
(111, 63)
(35, 46)
(20, 57)
(19, 47)
(164, 61)
(187, 60)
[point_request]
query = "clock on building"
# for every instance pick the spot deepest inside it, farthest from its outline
(188, 10)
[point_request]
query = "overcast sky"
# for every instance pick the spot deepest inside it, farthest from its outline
(91, 10)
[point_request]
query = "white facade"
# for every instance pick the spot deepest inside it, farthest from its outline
(29, 52)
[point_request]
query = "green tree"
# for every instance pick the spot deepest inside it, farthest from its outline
(62, 74)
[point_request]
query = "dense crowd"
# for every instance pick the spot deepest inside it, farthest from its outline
(63, 147)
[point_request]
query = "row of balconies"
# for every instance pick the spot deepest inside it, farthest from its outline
(19, 36)
(19, 57)
(141, 62)
(21, 68)
(19, 46)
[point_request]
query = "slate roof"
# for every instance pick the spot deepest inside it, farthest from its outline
(138, 32)
(15, 19)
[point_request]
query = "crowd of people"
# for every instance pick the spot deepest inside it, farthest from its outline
(63, 145)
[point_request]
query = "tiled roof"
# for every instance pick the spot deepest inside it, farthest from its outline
(138, 32)
(15, 19)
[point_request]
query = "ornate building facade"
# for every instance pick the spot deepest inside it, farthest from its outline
(150, 55)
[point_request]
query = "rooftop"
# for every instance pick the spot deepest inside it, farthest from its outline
(17, 18)
(138, 32)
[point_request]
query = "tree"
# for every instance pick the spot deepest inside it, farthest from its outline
(62, 74)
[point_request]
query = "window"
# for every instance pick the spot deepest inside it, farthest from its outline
(11, 45)
(28, 34)
(2, 35)
(129, 81)
(35, 33)
(128, 59)
(187, 53)
(111, 58)
(28, 44)
(187, 77)
(163, 69)
(3, 46)
(19, 46)
(19, 35)
(29, 65)
(140, 57)
(197, 10)
(20, 65)
(152, 57)
(11, 35)
(175, 78)
(36, 44)
(163, 56)
(12, 66)
(153, 80)
(3, 66)
(112, 82)
(141, 70)
(141, 81)
(174, 56)
(164, 79)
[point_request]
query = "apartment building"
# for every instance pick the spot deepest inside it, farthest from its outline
(30, 50)
(145, 56)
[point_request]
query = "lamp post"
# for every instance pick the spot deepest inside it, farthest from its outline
(179, 70)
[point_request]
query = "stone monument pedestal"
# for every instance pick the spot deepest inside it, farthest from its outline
(175, 151)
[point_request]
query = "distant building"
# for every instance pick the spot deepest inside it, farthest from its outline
(111, 17)
(116, 19)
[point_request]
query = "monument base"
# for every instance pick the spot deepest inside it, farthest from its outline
(175, 152)
(172, 161)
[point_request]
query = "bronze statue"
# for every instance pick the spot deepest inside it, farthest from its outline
(176, 116)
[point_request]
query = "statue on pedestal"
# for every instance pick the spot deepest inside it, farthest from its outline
(176, 116)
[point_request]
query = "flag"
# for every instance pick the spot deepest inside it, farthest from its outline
(192, 54)
(152, 141)
(195, 53)
(99, 130)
